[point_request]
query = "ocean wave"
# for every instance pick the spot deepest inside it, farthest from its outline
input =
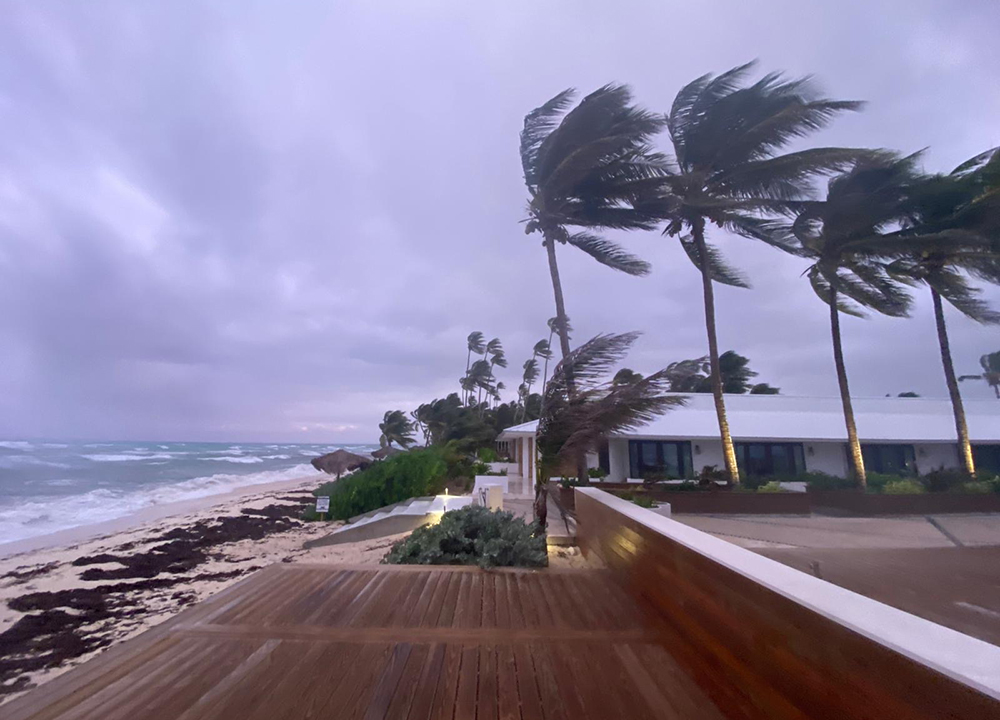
(277, 457)
(15, 445)
(241, 459)
(126, 457)
(12, 461)
(34, 516)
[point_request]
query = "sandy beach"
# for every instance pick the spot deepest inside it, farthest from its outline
(66, 597)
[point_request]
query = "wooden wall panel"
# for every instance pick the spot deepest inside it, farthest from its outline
(756, 652)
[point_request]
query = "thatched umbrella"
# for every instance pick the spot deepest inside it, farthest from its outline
(340, 461)
(388, 451)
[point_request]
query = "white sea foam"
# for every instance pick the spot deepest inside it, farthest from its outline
(34, 516)
(15, 445)
(277, 457)
(238, 459)
(126, 457)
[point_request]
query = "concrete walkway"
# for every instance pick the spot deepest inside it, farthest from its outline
(815, 531)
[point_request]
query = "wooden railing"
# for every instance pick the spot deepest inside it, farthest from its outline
(765, 640)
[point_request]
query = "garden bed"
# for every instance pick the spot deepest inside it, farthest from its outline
(852, 502)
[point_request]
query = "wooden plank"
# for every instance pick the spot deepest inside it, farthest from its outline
(488, 704)
(388, 681)
(423, 701)
(443, 707)
(509, 705)
(558, 703)
(528, 694)
(468, 676)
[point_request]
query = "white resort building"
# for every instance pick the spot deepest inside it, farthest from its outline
(783, 435)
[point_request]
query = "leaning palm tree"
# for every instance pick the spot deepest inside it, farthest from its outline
(588, 170)
(528, 378)
(945, 243)
(395, 429)
(552, 323)
(582, 406)
(476, 345)
(726, 136)
(841, 236)
(990, 364)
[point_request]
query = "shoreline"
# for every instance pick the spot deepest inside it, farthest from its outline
(68, 600)
(149, 514)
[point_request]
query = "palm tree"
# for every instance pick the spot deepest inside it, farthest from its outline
(626, 376)
(991, 372)
(581, 406)
(944, 243)
(528, 378)
(726, 170)
(590, 169)
(552, 323)
(395, 429)
(841, 236)
(476, 345)
(479, 377)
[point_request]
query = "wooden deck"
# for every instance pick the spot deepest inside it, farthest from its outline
(305, 641)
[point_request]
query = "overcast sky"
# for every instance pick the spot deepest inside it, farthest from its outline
(274, 221)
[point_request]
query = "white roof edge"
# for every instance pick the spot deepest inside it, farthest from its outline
(968, 660)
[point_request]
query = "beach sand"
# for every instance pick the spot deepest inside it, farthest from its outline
(64, 598)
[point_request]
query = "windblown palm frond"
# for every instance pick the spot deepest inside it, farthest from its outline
(608, 253)
(574, 422)
(718, 269)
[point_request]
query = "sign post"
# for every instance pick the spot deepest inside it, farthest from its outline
(323, 506)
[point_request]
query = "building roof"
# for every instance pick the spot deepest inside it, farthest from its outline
(788, 417)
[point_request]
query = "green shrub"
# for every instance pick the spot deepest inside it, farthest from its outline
(942, 480)
(643, 501)
(974, 486)
(473, 535)
(572, 482)
(903, 486)
(822, 481)
(480, 468)
(487, 455)
(771, 487)
(597, 473)
(412, 474)
(878, 481)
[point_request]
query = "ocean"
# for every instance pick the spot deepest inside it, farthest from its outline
(50, 486)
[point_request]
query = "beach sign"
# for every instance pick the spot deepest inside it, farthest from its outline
(323, 505)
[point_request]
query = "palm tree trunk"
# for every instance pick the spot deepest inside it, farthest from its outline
(465, 393)
(964, 446)
(853, 445)
(545, 372)
(550, 248)
(728, 452)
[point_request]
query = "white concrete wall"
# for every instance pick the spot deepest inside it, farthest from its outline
(705, 453)
(617, 460)
(827, 457)
(932, 456)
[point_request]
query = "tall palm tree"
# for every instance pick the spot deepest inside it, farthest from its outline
(582, 406)
(479, 377)
(990, 364)
(528, 378)
(395, 429)
(475, 343)
(726, 136)
(588, 170)
(841, 235)
(944, 243)
(552, 323)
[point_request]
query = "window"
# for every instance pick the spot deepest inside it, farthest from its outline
(987, 458)
(657, 457)
(756, 459)
(889, 459)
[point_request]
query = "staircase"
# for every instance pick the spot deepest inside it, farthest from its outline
(401, 517)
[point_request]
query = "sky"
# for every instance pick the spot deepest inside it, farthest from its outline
(270, 221)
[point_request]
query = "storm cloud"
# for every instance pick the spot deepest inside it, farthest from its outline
(267, 221)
